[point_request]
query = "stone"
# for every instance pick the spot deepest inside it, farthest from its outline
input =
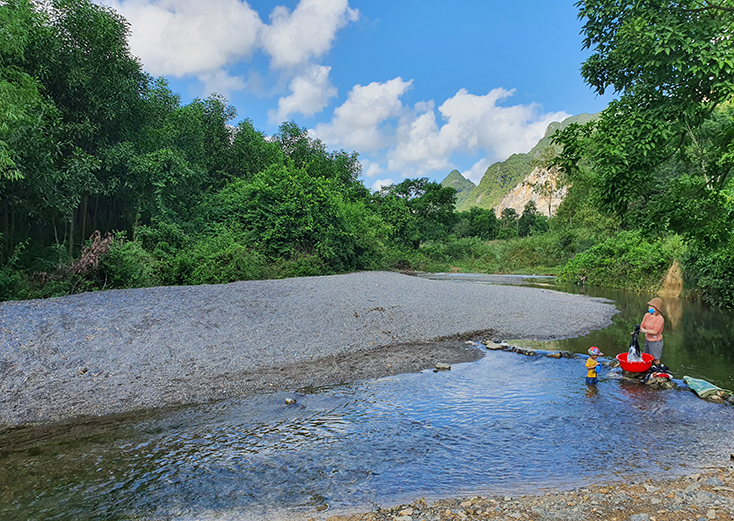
(640, 517)
(440, 366)
(692, 487)
(420, 504)
(553, 355)
(290, 401)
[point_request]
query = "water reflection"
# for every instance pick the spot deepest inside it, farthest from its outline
(698, 339)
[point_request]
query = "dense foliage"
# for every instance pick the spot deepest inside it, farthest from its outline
(659, 157)
(108, 181)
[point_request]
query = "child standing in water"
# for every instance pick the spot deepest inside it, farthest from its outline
(652, 325)
(592, 366)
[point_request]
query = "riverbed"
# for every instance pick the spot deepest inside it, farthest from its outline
(504, 424)
(118, 351)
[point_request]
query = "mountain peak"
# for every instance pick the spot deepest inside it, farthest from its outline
(461, 184)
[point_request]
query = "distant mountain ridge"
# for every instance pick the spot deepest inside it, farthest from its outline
(461, 184)
(502, 177)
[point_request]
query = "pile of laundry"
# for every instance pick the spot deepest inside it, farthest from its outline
(709, 391)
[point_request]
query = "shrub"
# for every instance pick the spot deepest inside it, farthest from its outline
(625, 261)
(711, 273)
(127, 265)
(218, 258)
(290, 216)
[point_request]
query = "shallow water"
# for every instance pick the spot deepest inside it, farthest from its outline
(505, 424)
(698, 339)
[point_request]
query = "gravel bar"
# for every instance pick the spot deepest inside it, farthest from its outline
(119, 351)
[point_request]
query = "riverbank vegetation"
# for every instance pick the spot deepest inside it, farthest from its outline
(107, 180)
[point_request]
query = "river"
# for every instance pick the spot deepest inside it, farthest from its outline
(505, 424)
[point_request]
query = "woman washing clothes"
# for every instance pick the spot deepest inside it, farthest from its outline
(652, 325)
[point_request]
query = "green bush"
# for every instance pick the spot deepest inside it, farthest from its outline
(12, 284)
(711, 274)
(127, 265)
(531, 254)
(304, 266)
(291, 215)
(217, 259)
(626, 261)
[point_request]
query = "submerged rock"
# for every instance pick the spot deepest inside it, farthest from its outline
(658, 382)
(715, 398)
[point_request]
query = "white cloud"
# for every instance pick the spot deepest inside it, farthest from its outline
(204, 39)
(370, 168)
(476, 172)
(294, 38)
(380, 183)
(420, 146)
(472, 124)
(310, 93)
(357, 123)
(190, 37)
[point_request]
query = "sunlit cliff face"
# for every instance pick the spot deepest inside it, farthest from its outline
(535, 187)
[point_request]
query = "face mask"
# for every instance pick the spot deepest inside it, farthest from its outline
(652, 311)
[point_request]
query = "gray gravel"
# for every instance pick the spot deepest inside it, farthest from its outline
(704, 496)
(123, 350)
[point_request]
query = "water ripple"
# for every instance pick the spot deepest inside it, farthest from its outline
(506, 423)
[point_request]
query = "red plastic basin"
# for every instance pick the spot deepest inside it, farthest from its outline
(635, 367)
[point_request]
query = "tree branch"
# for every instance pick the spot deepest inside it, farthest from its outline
(712, 8)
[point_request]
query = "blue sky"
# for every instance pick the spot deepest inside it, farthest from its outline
(416, 87)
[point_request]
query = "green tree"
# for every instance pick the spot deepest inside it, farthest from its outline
(251, 153)
(311, 154)
(531, 221)
(418, 209)
(508, 224)
(84, 97)
(671, 63)
(477, 222)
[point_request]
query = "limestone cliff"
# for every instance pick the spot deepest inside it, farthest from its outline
(527, 190)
